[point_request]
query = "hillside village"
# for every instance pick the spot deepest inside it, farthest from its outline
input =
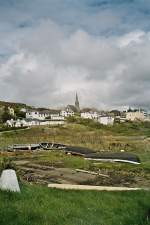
(21, 115)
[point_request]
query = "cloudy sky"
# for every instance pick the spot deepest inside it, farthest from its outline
(49, 49)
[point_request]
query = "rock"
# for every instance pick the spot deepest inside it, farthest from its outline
(9, 181)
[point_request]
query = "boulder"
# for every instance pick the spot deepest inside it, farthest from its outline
(9, 181)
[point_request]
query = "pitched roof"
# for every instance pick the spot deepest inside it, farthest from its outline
(72, 107)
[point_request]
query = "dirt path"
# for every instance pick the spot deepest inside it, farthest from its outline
(87, 187)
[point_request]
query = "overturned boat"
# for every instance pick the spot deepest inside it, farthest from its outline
(40, 146)
(23, 147)
(80, 151)
(51, 146)
(114, 157)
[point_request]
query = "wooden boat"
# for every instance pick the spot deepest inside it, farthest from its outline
(23, 147)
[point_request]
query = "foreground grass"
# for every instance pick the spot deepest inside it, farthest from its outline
(42, 206)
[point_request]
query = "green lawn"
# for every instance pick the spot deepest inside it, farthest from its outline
(42, 206)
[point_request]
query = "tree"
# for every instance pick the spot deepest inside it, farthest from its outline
(6, 115)
(18, 113)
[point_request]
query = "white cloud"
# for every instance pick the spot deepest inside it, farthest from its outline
(50, 66)
(131, 38)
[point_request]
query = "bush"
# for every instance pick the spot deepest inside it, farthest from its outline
(72, 119)
(7, 163)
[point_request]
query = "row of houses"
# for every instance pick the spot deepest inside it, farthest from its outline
(33, 122)
(42, 114)
(38, 117)
(139, 115)
(67, 112)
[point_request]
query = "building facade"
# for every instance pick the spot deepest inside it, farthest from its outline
(33, 122)
(70, 110)
(106, 120)
(89, 115)
(43, 114)
(138, 115)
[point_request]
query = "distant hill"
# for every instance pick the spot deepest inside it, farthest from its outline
(13, 104)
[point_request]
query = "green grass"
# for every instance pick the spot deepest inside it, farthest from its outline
(60, 159)
(6, 129)
(107, 138)
(127, 128)
(42, 206)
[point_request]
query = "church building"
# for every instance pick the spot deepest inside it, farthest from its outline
(70, 110)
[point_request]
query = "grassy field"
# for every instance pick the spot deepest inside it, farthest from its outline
(132, 137)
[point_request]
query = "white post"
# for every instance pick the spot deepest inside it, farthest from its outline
(9, 181)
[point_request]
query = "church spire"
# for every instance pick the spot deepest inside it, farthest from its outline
(77, 105)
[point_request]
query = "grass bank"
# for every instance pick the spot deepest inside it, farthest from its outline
(42, 206)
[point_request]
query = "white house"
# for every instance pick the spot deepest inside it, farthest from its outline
(10, 123)
(43, 114)
(33, 122)
(106, 120)
(35, 114)
(66, 113)
(22, 122)
(89, 115)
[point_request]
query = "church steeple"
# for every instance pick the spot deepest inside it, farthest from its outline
(77, 105)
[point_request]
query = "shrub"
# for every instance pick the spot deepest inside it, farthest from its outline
(7, 163)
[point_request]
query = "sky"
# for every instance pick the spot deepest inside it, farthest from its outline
(51, 49)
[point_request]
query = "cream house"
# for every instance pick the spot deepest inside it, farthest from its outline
(138, 115)
(11, 111)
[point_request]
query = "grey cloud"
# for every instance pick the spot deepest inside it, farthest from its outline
(51, 65)
(104, 17)
(55, 48)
